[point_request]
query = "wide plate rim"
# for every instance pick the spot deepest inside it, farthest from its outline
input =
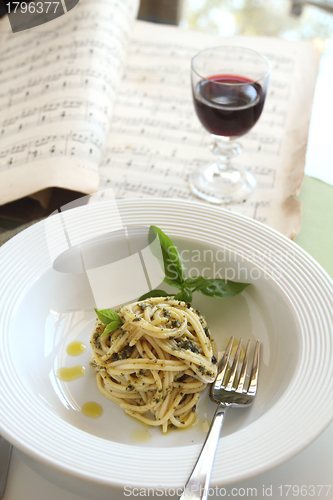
(142, 205)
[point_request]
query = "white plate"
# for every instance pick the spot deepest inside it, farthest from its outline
(288, 308)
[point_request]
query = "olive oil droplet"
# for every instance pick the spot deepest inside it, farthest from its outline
(68, 374)
(92, 410)
(140, 435)
(75, 348)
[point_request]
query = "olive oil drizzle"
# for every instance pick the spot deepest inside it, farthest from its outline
(75, 348)
(92, 410)
(140, 435)
(69, 374)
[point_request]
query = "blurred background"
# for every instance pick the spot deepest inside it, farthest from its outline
(291, 19)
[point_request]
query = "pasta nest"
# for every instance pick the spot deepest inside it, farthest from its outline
(156, 364)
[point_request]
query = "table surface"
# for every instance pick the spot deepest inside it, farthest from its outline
(312, 468)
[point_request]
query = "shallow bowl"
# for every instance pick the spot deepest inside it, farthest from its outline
(48, 297)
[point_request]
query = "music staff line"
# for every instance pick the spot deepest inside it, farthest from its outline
(281, 62)
(80, 145)
(155, 103)
(56, 112)
(155, 77)
(163, 166)
(268, 145)
(138, 96)
(41, 64)
(83, 76)
(62, 90)
(181, 126)
(124, 188)
(30, 42)
(181, 70)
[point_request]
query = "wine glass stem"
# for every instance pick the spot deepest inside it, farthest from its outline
(225, 148)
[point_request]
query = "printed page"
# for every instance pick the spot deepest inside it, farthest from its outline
(58, 84)
(156, 140)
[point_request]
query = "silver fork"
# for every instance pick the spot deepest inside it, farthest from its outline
(227, 390)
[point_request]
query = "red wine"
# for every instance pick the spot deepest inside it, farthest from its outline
(228, 110)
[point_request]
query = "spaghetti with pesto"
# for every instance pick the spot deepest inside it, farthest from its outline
(156, 364)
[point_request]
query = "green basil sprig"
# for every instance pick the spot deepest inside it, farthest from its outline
(109, 318)
(172, 265)
(174, 271)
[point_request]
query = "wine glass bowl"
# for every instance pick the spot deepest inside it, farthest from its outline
(229, 86)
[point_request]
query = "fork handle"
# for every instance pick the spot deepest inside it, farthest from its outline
(197, 485)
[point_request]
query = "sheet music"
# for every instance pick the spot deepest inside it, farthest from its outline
(58, 84)
(156, 140)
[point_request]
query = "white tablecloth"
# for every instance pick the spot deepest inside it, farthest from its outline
(309, 475)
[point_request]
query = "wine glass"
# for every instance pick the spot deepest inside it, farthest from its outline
(229, 87)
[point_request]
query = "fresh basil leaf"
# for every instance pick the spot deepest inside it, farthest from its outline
(154, 293)
(221, 289)
(173, 283)
(165, 251)
(172, 264)
(193, 283)
(184, 295)
(110, 327)
(107, 315)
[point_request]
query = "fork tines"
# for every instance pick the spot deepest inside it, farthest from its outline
(230, 375)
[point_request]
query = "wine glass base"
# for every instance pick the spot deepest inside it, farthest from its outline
(226, 186)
